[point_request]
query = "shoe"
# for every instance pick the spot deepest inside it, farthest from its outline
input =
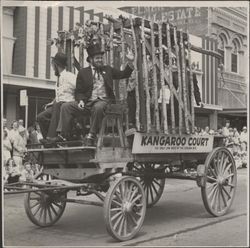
(56, 139)
(90, 139)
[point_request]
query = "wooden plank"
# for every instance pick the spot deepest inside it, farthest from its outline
(177, 52)
(170, 77)
(140, 79)
(137, 114)
(185, 91)
(145, 79)
(103, 42)
(192, 85)
(156, 107)
(164, 107)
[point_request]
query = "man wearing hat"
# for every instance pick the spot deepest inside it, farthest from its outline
(94, 90)
(64, 92)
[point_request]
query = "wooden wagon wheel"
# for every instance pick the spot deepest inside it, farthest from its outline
(124, 208)
(220, 181)
(152, 186)
(44, 208)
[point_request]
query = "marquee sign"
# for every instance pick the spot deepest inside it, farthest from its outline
(161, 143)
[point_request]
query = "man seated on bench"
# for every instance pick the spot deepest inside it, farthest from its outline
(94, 90)
(64, 91)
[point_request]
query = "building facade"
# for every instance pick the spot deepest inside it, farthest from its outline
(27, 55)
(228, 27)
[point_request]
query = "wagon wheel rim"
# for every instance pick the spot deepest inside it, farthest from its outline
(220, 182)
(45, 208)
(153, 187)
(124, 208)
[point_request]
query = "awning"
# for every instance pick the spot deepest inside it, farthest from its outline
(234, 112)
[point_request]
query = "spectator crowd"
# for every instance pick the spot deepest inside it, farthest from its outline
(15, 140)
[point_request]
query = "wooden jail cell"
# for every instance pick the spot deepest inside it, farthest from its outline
(160, 51)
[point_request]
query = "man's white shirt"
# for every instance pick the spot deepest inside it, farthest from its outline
(65, 91)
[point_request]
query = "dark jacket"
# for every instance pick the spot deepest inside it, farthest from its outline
(84, 81)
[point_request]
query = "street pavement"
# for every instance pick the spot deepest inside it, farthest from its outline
(178, 219)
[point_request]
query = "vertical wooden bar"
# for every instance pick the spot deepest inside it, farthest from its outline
(191, 84)
(145, 77)
(111, 53)
(170, 77)
(111, 44)
(164, 107)
(137, 114)
(72, 56)
(156, 107)
(103, 42)
(124, 93)
(81, 55)
(185, 92)
(177, 52)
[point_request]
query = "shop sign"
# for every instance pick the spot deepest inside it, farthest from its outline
(161, 143)
(23, 98)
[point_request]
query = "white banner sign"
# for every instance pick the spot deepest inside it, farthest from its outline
(161, 143)
(23, 98)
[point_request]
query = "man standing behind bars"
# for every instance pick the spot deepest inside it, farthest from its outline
(94, 90)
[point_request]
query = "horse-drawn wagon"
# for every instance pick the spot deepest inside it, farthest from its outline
(127, 168)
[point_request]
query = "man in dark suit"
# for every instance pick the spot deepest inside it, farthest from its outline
(94, 90)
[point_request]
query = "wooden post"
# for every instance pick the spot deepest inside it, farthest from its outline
(164, 107)
(177, 52)
(191, 84)
(103, 42)
(124, 88)
(137, 115)
(185, 92)
(170, 77)
(156, 107)
(145, 77)
(72, 56)
(81, 57)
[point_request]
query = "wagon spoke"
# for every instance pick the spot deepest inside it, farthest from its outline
(39, 207)
(34, 205)
(153, 186)
(211, 186)
(58, 205)
(117, 222)
(210, 169)
(212, 191)
(132, 218)
(133, 194)
(41, 212)
(125, 225)
(214, 197)
(223, 166)
(151, 193)
(227, 168)
(121, 226)
(212, 179)
(49, 213)
(116, 215)
(230, 175)
(118, 196)
(223, 198)
(45, 214)
(157, 182)
(229, 196)
(53, 209)
(136, 198)
(219, 192)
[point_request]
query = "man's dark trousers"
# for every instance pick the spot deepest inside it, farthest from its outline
(48, 120)
(69, 110)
